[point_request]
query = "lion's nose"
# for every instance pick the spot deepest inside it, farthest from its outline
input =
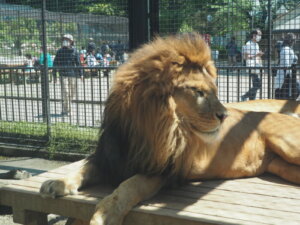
(221, 116)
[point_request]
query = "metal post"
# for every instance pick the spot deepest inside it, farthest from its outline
(44, 75)
(18, 41)
(138, 23)
(154, 17)
(294, 91)
(144, 28)
(269, 48)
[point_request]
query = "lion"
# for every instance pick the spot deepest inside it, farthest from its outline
(268, 105)
(164, 124)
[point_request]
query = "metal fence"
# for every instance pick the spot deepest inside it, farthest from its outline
(32, 97)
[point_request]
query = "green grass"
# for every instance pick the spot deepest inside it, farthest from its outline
(27, 129)
(64, 137)
(70, 138)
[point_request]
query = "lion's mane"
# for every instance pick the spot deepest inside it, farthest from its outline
(141, 132)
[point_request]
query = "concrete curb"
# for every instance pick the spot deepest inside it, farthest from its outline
(15, 150)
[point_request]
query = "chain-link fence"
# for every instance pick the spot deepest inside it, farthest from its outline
(41, 42)
(50, 93)
(244, 35)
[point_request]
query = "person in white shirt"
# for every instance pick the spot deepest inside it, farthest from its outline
(252, 55)
(282, 82)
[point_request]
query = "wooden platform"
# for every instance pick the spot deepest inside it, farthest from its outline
(264, 200)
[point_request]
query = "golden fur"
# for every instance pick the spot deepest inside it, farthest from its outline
(146, 98)
(163, 120)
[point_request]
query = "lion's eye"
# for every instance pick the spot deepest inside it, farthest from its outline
(200, 93)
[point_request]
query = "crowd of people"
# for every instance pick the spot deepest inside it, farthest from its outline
(113, 54)
(107, 54)
(252, 57)
(68, 56)
(104, 55)
(68, 63)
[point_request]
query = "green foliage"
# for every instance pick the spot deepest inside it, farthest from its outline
(108, 9)
(217, 17)
(102, 9)
(25, 31)
(213, 17)
(185, 28)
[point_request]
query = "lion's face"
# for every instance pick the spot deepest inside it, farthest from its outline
(197, 105)
(163, 103)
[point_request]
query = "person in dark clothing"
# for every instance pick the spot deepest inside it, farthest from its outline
(232, 51)
(119, 49)
(68, 57)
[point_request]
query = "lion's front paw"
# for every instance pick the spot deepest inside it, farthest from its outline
(56, 188)
(107, 213)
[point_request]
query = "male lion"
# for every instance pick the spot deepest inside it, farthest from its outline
(164, 123)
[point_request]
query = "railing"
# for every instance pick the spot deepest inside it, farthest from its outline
(22, 97)
(25, 96)
(36, 103)
(233, 82)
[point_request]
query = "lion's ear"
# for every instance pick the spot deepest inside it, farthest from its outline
(211, 69)
(176, 64)
(177, 60)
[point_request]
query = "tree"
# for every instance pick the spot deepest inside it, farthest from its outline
(207, 16)
(100, 7)
(217, 17)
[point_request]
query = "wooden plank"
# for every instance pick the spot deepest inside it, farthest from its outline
(269, 179)
(208, 207)
(240, 201)
(236, 186)
(215, 195)
(31, 200)
(83, 210)
(221, 208)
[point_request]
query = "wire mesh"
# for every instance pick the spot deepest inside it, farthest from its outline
(228, 28)
(44, 98)
(58, 97)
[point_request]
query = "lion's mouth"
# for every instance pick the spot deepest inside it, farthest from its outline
(211, 131)
(214, 131)
(209, 136)
(206, 131)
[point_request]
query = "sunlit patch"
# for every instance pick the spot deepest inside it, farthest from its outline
(209, 136)
(293, 114)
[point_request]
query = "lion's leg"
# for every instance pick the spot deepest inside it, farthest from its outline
(113, 208)
(286, 145)
(71, 182)
(282, 135)
(285, 170)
